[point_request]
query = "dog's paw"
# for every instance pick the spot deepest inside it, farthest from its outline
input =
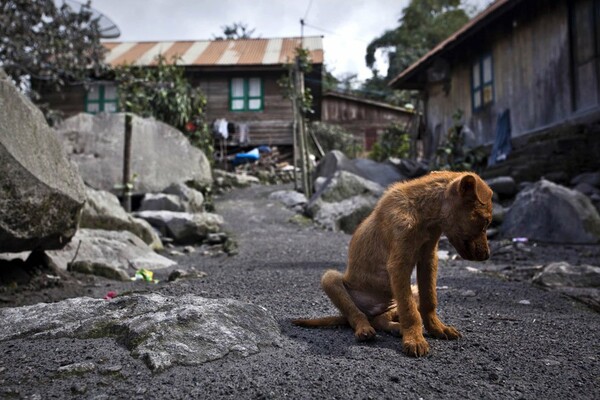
(364, 333)
(445, 332)
(416, 347)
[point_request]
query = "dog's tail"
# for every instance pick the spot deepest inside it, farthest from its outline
(321, 322)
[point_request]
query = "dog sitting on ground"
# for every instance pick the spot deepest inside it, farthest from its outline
(403, 231)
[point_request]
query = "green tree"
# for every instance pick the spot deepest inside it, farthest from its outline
(235, 31)
(395, 142)
(334, 137)
(424, 24)
(163, 92)
(53, 44)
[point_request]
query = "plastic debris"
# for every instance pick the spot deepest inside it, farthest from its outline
(110, 295)
(144, 274)
(520, 240)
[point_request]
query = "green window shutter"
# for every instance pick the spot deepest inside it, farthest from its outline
(101, 98)
(246, 94)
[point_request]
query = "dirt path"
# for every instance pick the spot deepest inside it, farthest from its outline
(519, 341)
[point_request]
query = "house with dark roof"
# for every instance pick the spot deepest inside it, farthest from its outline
(238, 77)
(536, 64)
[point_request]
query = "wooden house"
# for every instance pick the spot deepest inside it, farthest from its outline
(365, 119)
(238, 77)
(537, 59)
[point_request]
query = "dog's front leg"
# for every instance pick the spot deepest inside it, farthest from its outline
(399, 268)
(426, 280)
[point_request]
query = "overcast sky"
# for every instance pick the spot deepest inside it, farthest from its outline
(346, 25)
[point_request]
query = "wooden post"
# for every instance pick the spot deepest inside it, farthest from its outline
(127, 189)
(301, 131)
(294, 129)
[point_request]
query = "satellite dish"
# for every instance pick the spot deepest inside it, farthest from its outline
(108, 29)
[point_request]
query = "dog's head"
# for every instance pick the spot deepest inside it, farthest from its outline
(467, 213)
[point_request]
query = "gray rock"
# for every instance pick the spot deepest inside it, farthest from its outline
(229, 179)
(289, 198)
(409, 168)
(504, 186)
(587, 189)
(561, 274)
(161, 202)
(103, 211)
(345, 215)
(343, 185)
(41, 193)
(334, 161)
(183, 228)
(160, 330)
(498, 213)
(549, 212)
(161, 155)
(590, 178)
(193, 200)
(112, 254)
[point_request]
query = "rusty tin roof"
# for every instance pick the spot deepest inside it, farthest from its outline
(214, 52)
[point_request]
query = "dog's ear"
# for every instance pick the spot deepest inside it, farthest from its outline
(473, 188)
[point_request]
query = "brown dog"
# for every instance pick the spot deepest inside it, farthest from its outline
(403, 231)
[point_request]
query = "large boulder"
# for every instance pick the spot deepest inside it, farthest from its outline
(112, 254)
(103, 211)
(182, 227)
(160, 330)
(334, 161)
(503, 186)
(41, 193)
(344, 215)
(161, 202)
(343, 185)
(582, 282)
(549, 212)
(160, 154)
(193, 200)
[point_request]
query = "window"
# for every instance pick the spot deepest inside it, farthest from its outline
(246, 94)
(102, 97)
(482, 82)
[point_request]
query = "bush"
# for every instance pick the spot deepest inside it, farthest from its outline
(163, 92)
(395, 142)
(333, 137)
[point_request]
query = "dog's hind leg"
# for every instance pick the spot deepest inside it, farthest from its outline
(388, 322)
(333, 284)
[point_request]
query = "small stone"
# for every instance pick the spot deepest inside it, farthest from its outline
(189, 249)
(77, 368)
(79, 388)
(525, 302)
(468, 293)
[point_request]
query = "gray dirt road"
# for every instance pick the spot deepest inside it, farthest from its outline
(519, 341)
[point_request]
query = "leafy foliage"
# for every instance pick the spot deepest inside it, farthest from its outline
(287, 84)
(334, 137)
(453, 155)
(163, 92)
(235, 31)
(41, 41)
(395, 142)
(423, 25)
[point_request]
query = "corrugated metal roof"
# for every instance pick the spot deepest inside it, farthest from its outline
(493, 10)
(214, 52)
